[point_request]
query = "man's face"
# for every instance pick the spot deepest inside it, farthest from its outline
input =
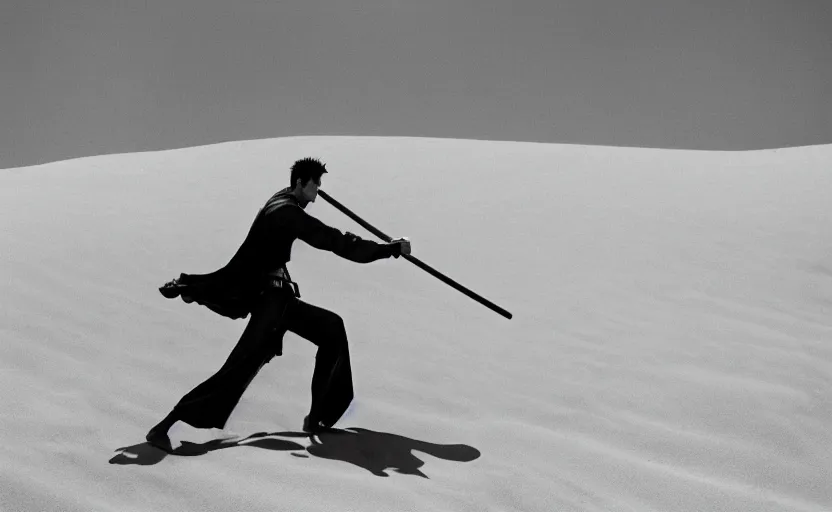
(310, 191)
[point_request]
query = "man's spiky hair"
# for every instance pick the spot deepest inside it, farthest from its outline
(306, 169)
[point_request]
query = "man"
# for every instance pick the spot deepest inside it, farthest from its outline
(256, 281)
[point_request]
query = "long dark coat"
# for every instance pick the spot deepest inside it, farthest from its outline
(232, 290)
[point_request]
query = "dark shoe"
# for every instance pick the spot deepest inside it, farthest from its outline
(314, 426)
(158, 437)
(172, 289)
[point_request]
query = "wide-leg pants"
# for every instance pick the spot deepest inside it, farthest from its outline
(210, 404)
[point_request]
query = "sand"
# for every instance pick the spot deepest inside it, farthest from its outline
(669, 351)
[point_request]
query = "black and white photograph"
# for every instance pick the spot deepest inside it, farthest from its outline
(416, 256)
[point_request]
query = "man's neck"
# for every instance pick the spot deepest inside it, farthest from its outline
(299, 196)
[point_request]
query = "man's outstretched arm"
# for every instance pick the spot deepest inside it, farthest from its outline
(348, 246)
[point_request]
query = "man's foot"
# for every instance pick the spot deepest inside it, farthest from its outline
(314, 426)
(158, 437)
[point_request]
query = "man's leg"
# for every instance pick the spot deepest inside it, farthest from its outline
(332, 389)
(210, 404)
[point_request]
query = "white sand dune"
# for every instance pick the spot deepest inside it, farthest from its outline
(670, 349)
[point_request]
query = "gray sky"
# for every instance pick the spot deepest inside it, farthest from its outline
(84, 77)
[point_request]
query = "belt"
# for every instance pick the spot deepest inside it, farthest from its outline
(280, 273)
(280, 279)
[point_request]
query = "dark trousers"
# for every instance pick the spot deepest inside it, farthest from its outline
(210, 404)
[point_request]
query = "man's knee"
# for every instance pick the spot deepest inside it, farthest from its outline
(336, 333)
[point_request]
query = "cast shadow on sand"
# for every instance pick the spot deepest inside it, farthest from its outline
(376, 452)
